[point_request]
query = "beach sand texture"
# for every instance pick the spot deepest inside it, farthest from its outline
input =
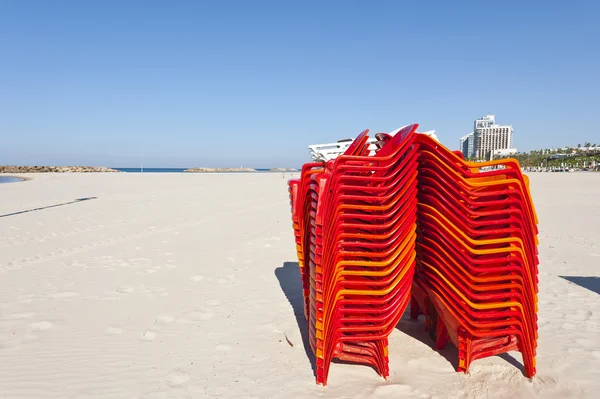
(187, 286)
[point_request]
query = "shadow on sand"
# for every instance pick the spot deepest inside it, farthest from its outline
(290, 281)
(416, 330)
(291, 284)
(592, 283)
(48, 207)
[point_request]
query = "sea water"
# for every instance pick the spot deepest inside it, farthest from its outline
(151, 170)
(9, 179)
(164, 170)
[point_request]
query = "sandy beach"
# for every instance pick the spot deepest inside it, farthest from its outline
(133, 285)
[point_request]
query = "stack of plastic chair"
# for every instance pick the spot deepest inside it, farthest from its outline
(319, 196)
(303, 194)
(301, 205)
(476, 275)
(357, 244)
(398, 217)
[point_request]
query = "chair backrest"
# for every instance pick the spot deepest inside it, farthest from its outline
(397, 140)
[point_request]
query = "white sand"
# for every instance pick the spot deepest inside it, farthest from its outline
(184, 286)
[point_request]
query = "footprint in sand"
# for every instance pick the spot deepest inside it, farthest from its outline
(223, 348)
(170, 265)
(198, 314)
(41, 326)
(213, 302)
(580, 314)
(63, 295)
(148, 335)
(544, 382)
(196, 278)
(125, 289)
(113, 331)
(165, 319)
(177, 378)
(108, 296)
(140, 262)
(230, 278)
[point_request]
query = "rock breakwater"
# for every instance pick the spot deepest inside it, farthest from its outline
(55, 169)
(219, 170)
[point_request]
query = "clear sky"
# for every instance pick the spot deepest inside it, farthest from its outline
(253, 83)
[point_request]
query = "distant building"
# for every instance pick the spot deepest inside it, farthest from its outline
(467, 145)
(502, 153)
(489, 137)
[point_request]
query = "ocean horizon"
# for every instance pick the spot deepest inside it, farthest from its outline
(151, 170)
(171, 170)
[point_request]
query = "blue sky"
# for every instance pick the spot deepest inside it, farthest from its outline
(253, 83)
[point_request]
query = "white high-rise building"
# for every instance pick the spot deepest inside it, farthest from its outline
(489, 137)
(467, 145)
